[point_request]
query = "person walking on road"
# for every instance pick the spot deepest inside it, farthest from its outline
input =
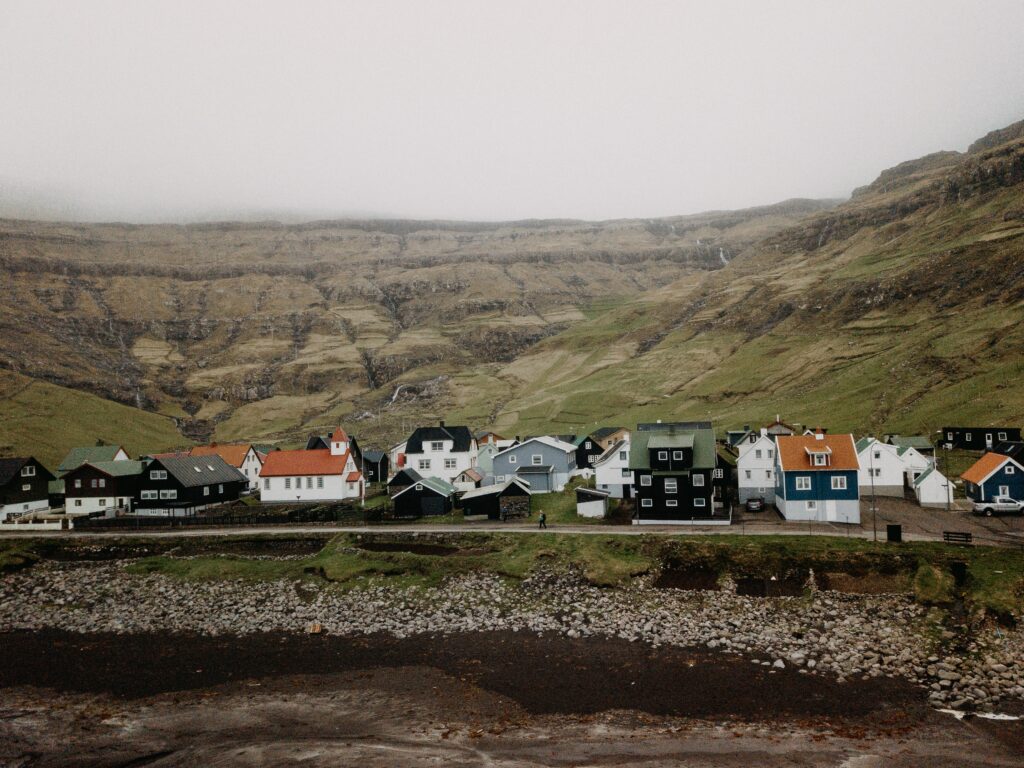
(543, 521)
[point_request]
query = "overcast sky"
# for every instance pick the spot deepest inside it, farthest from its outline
(486, 110)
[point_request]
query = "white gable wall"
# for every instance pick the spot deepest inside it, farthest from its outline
(613, 474)
(755, 468)
(883, 462)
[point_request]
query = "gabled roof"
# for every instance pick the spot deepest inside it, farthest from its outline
(10, 467)
(671, 440)
(353, 477)
(863, 443)
(461, 437)
(794, 452)
(602, 432)
(496, 490)
(339, 436)
(911, 441)
(660, 426)
(593, 493)
(547, 440)
(435, 484)
(233, 453)
(779, 427)
(315, 462)
(611, 451)
(78, 456)
(472, 474)
(192, 471)
(115, 468)
(986, 466)
(703, 441)
(408, 473)
(373, 456)
(926, 474)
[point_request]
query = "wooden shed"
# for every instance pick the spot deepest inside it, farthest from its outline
(504, 501)
(427, 497)
(591, 502)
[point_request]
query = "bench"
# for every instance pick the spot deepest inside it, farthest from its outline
(958, 537)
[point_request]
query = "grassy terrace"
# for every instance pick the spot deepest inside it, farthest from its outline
(994, 582)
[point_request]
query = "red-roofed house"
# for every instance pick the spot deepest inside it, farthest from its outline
(994, 475)
(816, 478)
(324, 474)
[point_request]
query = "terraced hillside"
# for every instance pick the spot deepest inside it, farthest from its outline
(900, 309)
(267, 331)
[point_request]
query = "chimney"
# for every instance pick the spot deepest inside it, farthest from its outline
(818, 434)
(442, 422)
(746, 427)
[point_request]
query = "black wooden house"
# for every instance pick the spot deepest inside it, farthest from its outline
(977, 438)
(182, 485)
(24, 486)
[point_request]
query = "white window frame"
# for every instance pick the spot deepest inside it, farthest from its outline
(838, 483)
(1010, 469)
(757, 453)
(169, 494)
(671, 502)
(451, 463)
(309, 482)
(158, 474)
(26, 487)
(698, 481)
(1002, 437)
(700, 501)
(662, 455)
(803, 482)
(320, 482)
(266, 483)
(811, 505)
(150, 495)
(967, 437)
(513, 459)
(287, 483)
(820, 460)
(645, 480)
(29, 470)
(424, 464)
(78, 482)
(623, 456)
(677, 455)
(647, 502)
(671, 485)
(206, 490)
(437, 445)
(536, 459)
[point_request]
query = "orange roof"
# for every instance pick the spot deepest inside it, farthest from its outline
(793, 451)
(339, 436)
(354, 476)
(290, 463)
(232, 453)
(984, 467)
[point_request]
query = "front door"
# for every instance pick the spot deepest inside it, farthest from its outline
(1004, 490)
(988, 441)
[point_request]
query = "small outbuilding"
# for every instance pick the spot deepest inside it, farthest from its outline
(403, 479)
(933, 489)
(428, 497)
(591, 502)
(505, 501)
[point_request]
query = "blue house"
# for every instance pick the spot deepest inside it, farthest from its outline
(816, 478)
(994, 475)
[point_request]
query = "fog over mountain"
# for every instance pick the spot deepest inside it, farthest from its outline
(166, 111)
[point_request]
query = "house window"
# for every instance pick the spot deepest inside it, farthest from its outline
(592, 460)
(838, 483)
(752, 439)
(27, 487)
(449, 463)
(662, 455)
(266, 483)
(820, 459)
(206, 490)
(28, 471)
(536, 459)
(437, 445)
(622, 455)
(671, 503)
(625, 471)
(1002, 436)
(718, 473)
(320, 482)
(419, 487)
(757, 453)
(670, 485)
(78, 502)
(677, 455)
(589, 445)
(949, 435)
(768, 474)
(1009, 469)
(169, 494)
(771, 453)
(877, 472)
(878, 454)
(513, 459)
(424, 464)
(158, 474)
(499, 478)
(220, 489)
(103, 482)
(92, 483)
(149, 495)
(287, 483)
(309, 482)
(700, 501)
(803, 483)
(646, 502)
(698, 480)
(645, 479)
(967, 437)
(812, 506)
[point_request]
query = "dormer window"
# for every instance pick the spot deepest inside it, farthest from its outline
(820, 459)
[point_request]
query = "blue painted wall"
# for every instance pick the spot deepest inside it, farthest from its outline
(821, 485)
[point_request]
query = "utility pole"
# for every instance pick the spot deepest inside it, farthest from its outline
(871, 469)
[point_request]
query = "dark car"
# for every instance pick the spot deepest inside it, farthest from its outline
(755, 505)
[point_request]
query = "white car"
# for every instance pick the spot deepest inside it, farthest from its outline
(998, 506)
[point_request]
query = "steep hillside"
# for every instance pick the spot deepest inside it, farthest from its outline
(267, 331)
(899, 309)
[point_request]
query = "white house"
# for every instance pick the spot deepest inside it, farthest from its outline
(881, 468)
(440, 451)
(324, 474)
(915, 463)
(612, 472)
(755, 467)
(242, 456)
(933, 489)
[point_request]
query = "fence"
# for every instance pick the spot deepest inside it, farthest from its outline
(256, 515)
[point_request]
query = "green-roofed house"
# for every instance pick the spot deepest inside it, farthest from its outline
(77, 457)
(102, 486)
(426, 497)
(673, 467)
(919, 443)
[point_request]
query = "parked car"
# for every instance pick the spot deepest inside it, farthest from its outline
(755, 505)
(998, 505)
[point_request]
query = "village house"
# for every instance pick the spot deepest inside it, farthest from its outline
(612, 472)
(673, 467)
(919, 443)
(182, 485)
(427, 497)
(24, 486)
(102, 486)
(486, 437)
(994, 475)
(76, 457)
(591, 502)
(505, 501)
(606, 437)
(978, 438)
(441, 451)
(588, 451)
(933, 489)
(467, 480)
(319, 474)
(816, 478)
(755, 467)
(544, 463)
(402, 479)
(242, 456)
(375, 466)
(881, 469)
(486, 453)
(396, 457)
